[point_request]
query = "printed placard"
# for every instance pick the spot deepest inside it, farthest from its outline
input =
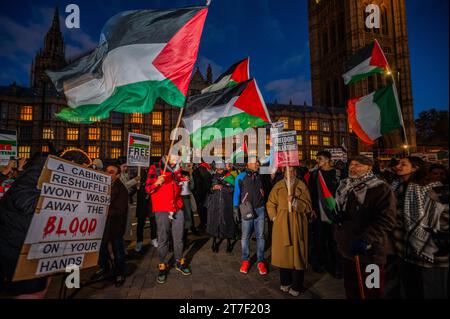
(69, 220)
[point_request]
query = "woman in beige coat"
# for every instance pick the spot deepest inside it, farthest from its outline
(290, 232)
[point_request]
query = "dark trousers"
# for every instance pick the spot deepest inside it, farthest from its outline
(118, 248)
(292, 277)
(351, 282)
(324, 252)
(202, 214)
(423, 283)
(140, 227)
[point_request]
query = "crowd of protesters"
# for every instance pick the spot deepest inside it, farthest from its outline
(340, 218)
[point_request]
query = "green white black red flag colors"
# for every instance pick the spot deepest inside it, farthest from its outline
(376, 114)
(143, 55)
(327, 203)
(8, 146)
(237, 73)
(138, 153)
(367, 61)
(240, 106)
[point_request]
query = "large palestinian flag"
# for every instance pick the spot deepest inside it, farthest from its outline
(143, 55)
(237, 73)
(367, 61)
(375, 114)
(240, 106)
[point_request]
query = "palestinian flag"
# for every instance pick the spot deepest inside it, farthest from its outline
(327, 203)
(239, 153)
(143, 55)
(375, 114)
(240, 106)
(228, 178)
(367, 61)
(237, 73)
(139, 141)
(8, 146)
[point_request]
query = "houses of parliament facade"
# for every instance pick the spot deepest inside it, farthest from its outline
(336, 30)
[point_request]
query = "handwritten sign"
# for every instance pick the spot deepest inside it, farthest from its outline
(69, 220)
(8, 146)
(337, 154)
(285, 148)
(138, 153)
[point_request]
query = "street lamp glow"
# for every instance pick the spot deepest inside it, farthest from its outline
(405, 146)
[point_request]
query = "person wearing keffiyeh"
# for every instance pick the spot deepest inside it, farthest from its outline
(367, 208)
(423, 273)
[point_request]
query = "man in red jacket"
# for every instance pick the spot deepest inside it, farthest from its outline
(167, 205)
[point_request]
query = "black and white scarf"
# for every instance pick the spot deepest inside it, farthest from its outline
(358, 186)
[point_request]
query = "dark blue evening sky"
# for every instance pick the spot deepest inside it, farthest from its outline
(273, 33)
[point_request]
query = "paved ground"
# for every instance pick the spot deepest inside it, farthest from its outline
(214, 276)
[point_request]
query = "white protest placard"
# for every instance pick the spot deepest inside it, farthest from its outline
(138, 152)
(69, 220)
(337, 154)
(8, 146)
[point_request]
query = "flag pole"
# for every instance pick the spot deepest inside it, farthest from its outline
(173, 141)
(405, 137)
(289, 188)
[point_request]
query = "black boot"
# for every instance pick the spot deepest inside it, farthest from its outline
(214, 246)
(229, 246)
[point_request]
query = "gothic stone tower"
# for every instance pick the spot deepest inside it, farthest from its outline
(52, 57)
(337, 30)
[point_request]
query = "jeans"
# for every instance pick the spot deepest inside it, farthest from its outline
(119, 255)
(257, 225)
(165, 227)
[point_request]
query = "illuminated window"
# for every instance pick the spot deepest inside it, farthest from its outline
(285, 120)
(136, 130)
(116, 135)
(72, 134)
(300, 155)
(313, 140)
(350, 129)
(156, 151)
(157, 118)
(137, 118)
(299, 139)
(326, 141)
(268, 140)
(26, 113)
(298, 125)
(93, 151)
(24, 151)
(313, 154)
(325, 126)
(45, 149)
(116, 153)
(47, 134)
(94, 133)
(156, 136)
(313, 125)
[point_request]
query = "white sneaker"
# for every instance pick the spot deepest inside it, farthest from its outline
(294, 293)
(138, 246)
(155, 243)
(285, 288)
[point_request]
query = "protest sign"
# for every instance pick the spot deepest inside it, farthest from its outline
(285, 148)
(337, 154)
(69, 220)
(138, 153)
(8, 146)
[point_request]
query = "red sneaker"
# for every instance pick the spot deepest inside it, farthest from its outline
(262, 268)
(244, 267)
